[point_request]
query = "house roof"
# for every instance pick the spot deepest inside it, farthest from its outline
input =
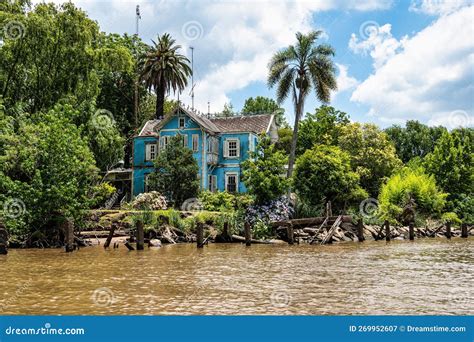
(248, 123)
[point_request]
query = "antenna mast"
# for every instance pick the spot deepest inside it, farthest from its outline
(192, 77)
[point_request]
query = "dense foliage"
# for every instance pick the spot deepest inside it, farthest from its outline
(224, 201)
(175, 174)
(263, 173)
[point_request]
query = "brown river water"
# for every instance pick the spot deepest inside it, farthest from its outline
(428, 276)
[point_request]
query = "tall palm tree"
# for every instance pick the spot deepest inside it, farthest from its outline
(164, 69)
(299, 68)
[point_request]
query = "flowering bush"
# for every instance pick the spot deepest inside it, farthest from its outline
(276, 210)
(150, 201)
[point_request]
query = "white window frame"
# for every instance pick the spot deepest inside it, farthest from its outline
(150, 151)
(227, 148)
(164, 141)
(212, 186)
(185, 139)
(195, 140)
(227, 176)
(179, 122)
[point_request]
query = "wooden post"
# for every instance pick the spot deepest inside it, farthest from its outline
(464, 233)
(360, 230)
(291, 234)
(411, 231)
(140, 236)
(129, 246)
(3, 240)
(69, 235)
(110, 236)
(387, 231)
(200, 235)
(328, 209)
(448, 230)
(248, 234)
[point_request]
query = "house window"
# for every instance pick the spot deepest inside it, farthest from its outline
(195, 142)
(182, 122)
(184, 140)
(231, 182)
(213, 145)
(212, 186)
(164, 141)
(232, 148)
(150, 152)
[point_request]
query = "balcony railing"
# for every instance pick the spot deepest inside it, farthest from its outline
(212, 158)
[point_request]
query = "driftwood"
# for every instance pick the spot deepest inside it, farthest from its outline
(319, 230)
(312, 221)
(129, 246)
(239, 238)
(331, 231)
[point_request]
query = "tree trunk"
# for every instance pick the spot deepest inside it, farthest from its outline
(299, 110)
(160, 102)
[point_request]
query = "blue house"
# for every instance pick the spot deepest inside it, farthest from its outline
(219, 145)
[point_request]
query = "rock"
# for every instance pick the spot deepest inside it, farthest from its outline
(277, 241)
(155, 243)
(399, 238)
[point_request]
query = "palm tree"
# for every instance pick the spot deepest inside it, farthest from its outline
(297, 69)
(164, 69)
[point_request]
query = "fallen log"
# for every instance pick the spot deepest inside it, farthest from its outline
(238, 238)
(305, 222)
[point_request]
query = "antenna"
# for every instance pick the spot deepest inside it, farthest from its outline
(138, 17)
(208, 108)
(192, 77)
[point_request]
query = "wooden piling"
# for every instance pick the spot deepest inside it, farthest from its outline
(129, 246)
(387, 231)
(464, 232)
(360, 230)
(411, 231)
(110, 236)
(3, 240)
(140, 236)
(69, 235)
(248, 234)
(200, 235)
(291, 234)
(448, 230)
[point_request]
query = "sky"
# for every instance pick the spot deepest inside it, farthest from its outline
(396, 60)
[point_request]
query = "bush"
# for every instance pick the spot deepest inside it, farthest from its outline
(276, 210)
(410, 185)
(224, 201)
(101, 193)
(150, 201)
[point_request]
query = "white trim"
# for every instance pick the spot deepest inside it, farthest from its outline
(148, 152)
(180, 129)
(227, 150)
(270, 123)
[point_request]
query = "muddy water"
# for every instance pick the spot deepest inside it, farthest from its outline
(430, 276)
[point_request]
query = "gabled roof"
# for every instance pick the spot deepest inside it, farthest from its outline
(248, 123)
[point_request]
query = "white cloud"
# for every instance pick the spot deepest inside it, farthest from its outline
(380, 43)
(344, 81)
(430, 78)
(437, 7)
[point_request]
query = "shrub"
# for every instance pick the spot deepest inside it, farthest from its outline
(276, 210)
(150, 201)
(224, 201)
(411, 185)
(101, 193)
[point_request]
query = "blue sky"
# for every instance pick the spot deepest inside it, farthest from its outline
(396, 60)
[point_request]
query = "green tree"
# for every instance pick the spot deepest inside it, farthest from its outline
(372, 154)
(175, 174)
(321, 127)
(414, 140)
(452, 165)
(265, 105)
(46, 171)
(297, 70)
(283, 143)
(164, 69)
(263, 173)
(411, 187)
(228, 110)
(324, 173)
